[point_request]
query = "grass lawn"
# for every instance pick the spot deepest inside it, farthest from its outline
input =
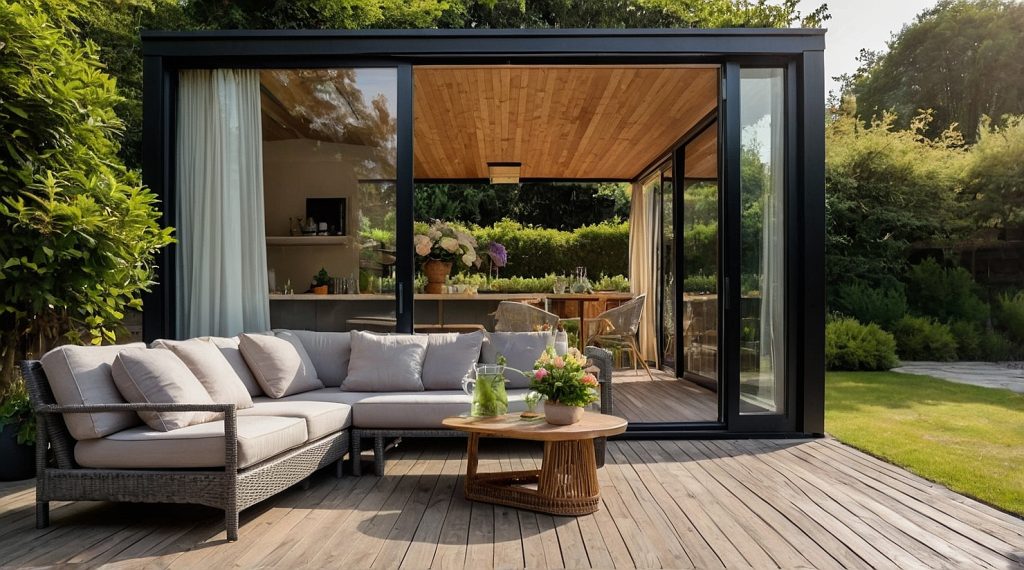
(967, 438)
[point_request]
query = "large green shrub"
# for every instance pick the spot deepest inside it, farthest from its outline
(880, 305)
(1010, 315)
(79, 231)
(969, 339)
(921, 338)
(945, 293)
(849, 345)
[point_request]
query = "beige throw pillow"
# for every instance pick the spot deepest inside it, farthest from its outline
(229, 348)
(520, 349)
(156, 376)
(212, 369)
(450, 358)
(81, 375)
(385, 363)
(279, 363)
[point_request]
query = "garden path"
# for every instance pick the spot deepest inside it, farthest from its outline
(1008, 376)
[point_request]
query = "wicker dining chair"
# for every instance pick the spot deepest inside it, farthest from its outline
(619, 327)
(520, 317)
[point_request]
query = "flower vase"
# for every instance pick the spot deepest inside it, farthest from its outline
(437, 273)
(560, 415)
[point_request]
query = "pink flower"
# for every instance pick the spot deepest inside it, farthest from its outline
(559, 363)
(540, 374)
(589, 380)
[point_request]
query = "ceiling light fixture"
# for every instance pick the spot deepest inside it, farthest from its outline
(504, 172)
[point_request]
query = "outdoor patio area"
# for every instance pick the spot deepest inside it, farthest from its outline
(672, 504)
(666, 398)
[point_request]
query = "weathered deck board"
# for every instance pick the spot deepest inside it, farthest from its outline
(673, 504)
(664, 399)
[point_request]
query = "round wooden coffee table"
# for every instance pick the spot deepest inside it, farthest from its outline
(565, 484)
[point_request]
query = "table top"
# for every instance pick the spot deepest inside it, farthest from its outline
(592, 425)
(573, 297)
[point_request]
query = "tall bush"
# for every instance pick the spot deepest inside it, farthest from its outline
(880, 305)
(920, 338)
(1010, 315)
(79, 231)
(945, 293)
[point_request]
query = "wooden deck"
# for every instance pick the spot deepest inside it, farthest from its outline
(672, 504)
(665, 399)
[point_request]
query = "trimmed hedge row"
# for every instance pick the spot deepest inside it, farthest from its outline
(602, 248)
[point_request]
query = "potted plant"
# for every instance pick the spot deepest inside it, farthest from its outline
(441, 247)
(321, 282)
(565, 385)
(18, 436)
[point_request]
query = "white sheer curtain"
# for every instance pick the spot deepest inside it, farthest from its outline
(222, 266)
(773, 267)
(643, 229)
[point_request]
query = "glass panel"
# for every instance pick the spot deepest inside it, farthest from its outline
(700, 255)
(329, 148)
(668, 273)
(762, 261)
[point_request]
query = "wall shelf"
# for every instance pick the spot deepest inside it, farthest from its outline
(309, 240)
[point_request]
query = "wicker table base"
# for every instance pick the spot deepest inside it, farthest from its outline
(566, 484)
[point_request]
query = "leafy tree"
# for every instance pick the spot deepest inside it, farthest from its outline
(994, 178)
(316, 14)
(962, 59)
(628, 14)
(886, 188)
(79, 231)
(114, 29)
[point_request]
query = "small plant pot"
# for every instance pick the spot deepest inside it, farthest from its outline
(559, 415)
(320, 290)
(19, 460)
(436, 272)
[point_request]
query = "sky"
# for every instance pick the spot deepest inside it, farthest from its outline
(857, 24)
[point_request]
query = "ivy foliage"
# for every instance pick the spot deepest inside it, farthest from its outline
(79, 230)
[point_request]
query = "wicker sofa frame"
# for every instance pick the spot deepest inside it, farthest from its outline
(386, 438)
(230, 488)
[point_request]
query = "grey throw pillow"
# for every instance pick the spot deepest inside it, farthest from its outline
(279, 364)
(450, 358)
(385, 363)
(212, 369)
(157, 376)
(521, 349)
(229, 347)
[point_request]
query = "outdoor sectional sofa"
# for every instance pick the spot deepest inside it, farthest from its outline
(126, 422)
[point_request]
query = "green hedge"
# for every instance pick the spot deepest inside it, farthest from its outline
(603, 248)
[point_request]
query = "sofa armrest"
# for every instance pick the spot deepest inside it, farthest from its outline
(229, 411)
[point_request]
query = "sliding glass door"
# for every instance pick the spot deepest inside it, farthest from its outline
(757, 267)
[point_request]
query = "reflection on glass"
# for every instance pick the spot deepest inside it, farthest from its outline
(762, 261)
(700, 255)
(330, 136)
(668, 272)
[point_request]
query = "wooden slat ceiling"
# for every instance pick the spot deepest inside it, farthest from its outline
(701, 160)
(560, 122)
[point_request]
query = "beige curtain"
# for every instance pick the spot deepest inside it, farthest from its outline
(641, 265)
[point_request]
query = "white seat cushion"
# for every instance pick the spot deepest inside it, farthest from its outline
(322, 418)
(412, 410)
(197, 446)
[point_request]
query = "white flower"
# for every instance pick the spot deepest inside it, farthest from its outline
(433, 233)
(469, 258)
(451, 245)
(466, 239)
(423, 245)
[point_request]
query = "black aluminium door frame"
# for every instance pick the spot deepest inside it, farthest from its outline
(730, 228)
(159, 141)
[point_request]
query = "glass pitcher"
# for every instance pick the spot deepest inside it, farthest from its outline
(488, 392)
